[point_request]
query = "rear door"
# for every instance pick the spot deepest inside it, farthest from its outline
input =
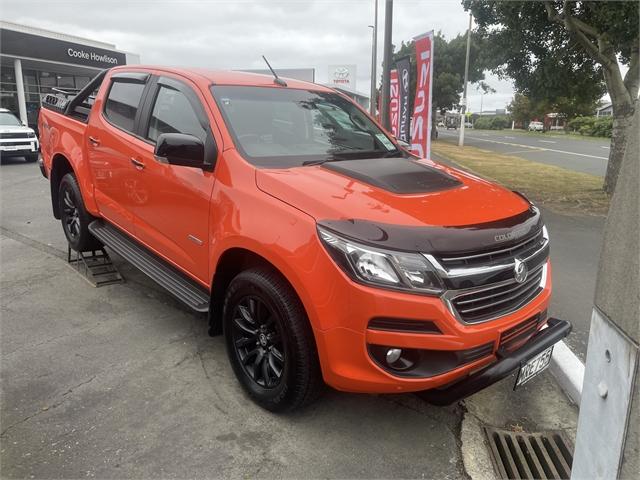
(111, 142)
(174, 219)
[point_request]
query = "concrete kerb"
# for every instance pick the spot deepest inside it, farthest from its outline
(568, 370)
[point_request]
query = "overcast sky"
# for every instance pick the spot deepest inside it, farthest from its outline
(232, 34)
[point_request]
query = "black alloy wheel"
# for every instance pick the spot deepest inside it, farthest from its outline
(74, 216)
(70, 214)
(269, 341)
(258, 341)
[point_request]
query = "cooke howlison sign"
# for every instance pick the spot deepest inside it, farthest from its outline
(343, 76)
(20, 44)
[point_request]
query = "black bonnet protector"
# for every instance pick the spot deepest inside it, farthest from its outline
(397, 175)
(440, 240)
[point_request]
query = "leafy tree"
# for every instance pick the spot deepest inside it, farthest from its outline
(568, 52)
(521, 108)
(448, 69)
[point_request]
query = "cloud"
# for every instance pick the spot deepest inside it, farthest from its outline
(227, 34)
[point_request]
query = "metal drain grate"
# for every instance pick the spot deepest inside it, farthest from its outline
(519, 455)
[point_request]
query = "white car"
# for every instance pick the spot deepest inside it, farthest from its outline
(536, 127)
(16, 139)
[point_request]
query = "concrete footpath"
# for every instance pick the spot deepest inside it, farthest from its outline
(123, 382)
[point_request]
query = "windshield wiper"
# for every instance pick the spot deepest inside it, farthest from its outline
(359, 155)
(322, 160)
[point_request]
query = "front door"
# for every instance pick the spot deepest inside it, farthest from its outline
(174, 221)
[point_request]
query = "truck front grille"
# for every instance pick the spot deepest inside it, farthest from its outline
(14, 135)
(482, 285)
(497, 299)
(15, 144)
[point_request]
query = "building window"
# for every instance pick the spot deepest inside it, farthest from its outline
(66, 81)
(81, 82)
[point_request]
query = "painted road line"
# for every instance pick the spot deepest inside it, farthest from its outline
(605, 146)
(524, 151)
(547, 141)
(510, 138)
(519, 145)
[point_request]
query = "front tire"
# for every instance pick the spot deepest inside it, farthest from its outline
(269, 341)
(32, 158)
(74, 216)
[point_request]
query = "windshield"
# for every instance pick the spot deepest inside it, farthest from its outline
(9, 119)
(285, 127)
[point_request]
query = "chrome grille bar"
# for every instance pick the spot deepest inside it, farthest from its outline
(528, 288)
(516, 286)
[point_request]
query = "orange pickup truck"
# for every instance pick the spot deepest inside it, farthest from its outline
(322, 250)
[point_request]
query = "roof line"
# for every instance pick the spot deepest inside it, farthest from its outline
(51, 34)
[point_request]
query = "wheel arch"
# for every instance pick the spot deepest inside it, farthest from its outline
(230, 263)
(60, 166)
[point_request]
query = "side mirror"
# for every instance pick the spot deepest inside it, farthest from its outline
(180, 149)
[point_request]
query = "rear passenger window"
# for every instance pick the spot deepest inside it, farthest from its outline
(172, 113)
(123, 103)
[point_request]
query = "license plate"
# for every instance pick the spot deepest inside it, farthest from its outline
(533, 367)
(10, 149)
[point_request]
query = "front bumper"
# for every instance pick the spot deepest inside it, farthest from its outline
(341, 315)
(556, 330)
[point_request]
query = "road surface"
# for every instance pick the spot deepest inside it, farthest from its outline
(587, 155)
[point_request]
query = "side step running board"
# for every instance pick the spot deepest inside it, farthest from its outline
(167, 276)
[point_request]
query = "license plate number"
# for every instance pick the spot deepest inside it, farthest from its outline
(533, 367)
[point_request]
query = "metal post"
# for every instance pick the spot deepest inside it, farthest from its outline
(22, 103)
(386, 65)
(374, 61)
(463, 110)
(608, 438)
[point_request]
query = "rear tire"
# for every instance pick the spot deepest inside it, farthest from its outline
(269, 341)
(74, 216)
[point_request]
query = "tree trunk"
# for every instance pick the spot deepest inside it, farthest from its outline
(622, 124)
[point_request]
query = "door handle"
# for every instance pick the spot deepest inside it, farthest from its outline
(94, 141)
(137, 163)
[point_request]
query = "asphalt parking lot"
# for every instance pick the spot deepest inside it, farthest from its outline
(123, 382)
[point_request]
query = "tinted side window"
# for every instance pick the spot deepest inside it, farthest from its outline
(172, 113)
(123, 103)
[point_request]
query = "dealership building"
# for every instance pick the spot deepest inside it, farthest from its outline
(34, 62)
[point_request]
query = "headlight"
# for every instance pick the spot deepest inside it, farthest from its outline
(31, 134)
(382, 268)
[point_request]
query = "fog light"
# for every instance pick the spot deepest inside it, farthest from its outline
(393, 355)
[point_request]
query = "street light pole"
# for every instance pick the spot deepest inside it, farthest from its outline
(463, 110)
(374, 61)
(386, 65)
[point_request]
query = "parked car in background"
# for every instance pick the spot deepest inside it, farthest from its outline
(321, 249)
(16, 139)
(536, 127)
(468, 125)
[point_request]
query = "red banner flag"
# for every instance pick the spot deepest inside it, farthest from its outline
(421, 125)
(394, 102)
